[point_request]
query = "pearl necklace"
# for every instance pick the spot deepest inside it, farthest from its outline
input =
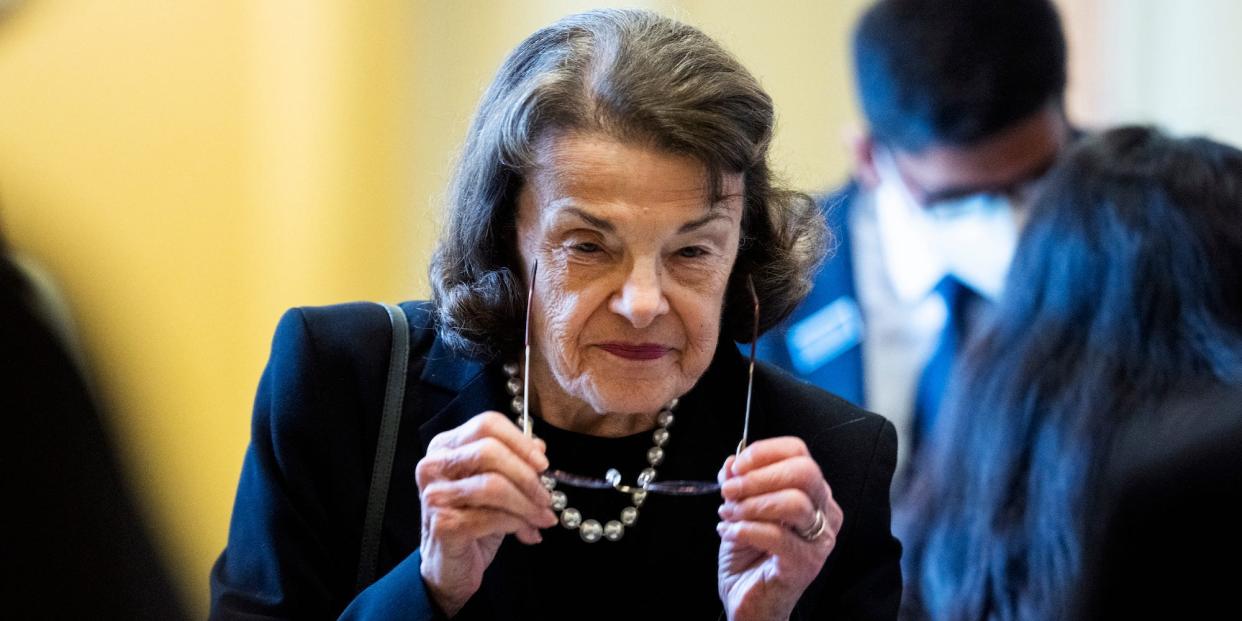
(591, 530)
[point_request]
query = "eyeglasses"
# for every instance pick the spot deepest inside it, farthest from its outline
(951, 203)
(612, 479)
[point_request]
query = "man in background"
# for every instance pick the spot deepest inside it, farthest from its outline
(963, 103)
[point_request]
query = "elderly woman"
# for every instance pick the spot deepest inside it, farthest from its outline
(614, 203)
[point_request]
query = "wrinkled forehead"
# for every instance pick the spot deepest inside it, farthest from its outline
(594, 167)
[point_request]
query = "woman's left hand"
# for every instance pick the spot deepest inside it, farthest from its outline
(772, 494)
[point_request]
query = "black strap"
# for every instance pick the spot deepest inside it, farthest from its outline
(386, 447)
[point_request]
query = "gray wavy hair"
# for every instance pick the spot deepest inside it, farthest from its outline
(638, 77)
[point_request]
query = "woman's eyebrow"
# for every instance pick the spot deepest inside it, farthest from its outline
(713, 215)
(594, 221)
(607, 227)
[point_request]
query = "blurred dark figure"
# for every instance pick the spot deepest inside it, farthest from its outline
(1169, 543)
(1123, 294)
(75, 546)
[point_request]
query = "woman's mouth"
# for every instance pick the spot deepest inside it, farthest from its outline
(636, 351)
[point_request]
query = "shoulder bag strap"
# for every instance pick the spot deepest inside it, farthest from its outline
(386, 447)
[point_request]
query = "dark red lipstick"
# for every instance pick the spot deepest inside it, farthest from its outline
(636, 351)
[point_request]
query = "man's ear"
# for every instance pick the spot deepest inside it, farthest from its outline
(862, 148)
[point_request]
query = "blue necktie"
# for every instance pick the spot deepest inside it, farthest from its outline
(959, 300)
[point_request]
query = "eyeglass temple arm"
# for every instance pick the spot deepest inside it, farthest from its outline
(750, 378)
(527, 428)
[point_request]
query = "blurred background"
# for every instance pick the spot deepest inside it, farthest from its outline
(184, 170)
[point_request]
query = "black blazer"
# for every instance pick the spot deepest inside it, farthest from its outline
(294, 540)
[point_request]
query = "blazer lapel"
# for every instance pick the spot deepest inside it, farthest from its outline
(459, 389)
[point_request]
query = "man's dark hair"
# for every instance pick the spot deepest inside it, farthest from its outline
(956, 71)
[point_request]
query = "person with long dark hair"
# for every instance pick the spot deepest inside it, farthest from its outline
(1123, 295)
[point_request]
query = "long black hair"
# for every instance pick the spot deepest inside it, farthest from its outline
(1126, 287)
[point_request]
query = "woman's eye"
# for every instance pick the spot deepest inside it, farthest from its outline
(586, 247)
(691, 252)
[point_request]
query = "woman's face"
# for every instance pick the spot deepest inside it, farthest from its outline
(633, 266)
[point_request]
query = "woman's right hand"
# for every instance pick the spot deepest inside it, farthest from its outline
(477, 483)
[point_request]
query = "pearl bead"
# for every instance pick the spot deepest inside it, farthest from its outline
(590, 531)
(665, 418)
(660, 437)
(571, 518)
(639, 497)
(517, 404)
(613, 530)
(613, 476)
(629, 515)
(559, 501)
(655, 455)
(549, 483)
(514, 385)
(512, 369)
(672, 405)
(646, 476)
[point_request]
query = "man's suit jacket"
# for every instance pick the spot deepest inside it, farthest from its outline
(294, 541)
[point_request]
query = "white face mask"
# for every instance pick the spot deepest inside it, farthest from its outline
(972, 237)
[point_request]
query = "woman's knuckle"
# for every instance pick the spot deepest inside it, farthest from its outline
(435, 495)
(490, 423)
(491, 484)
(424, 471)
(445, 523)
(439, 441)
(488, 449)
(804, 503)
(799, 446)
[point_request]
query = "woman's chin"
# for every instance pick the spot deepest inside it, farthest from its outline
(631, 399)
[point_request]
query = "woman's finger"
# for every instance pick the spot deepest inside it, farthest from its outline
(465, 524)
(725, 470)
(790, 507)
(769, 451)
(487, 491)
(779, 541)
(770, 538)
(799, 472)
(484, 455)
(494, 425)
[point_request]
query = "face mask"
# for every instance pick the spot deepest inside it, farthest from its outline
(972, 237)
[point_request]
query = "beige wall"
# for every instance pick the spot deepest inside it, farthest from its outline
(189, 169)
(1174, 64)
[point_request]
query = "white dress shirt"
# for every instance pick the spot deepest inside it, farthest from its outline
(900, 253)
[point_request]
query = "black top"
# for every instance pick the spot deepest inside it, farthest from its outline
(293, 545)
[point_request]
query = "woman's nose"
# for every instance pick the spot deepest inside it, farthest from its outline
(641, 298)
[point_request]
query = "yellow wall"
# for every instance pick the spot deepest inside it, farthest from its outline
(188, 169)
